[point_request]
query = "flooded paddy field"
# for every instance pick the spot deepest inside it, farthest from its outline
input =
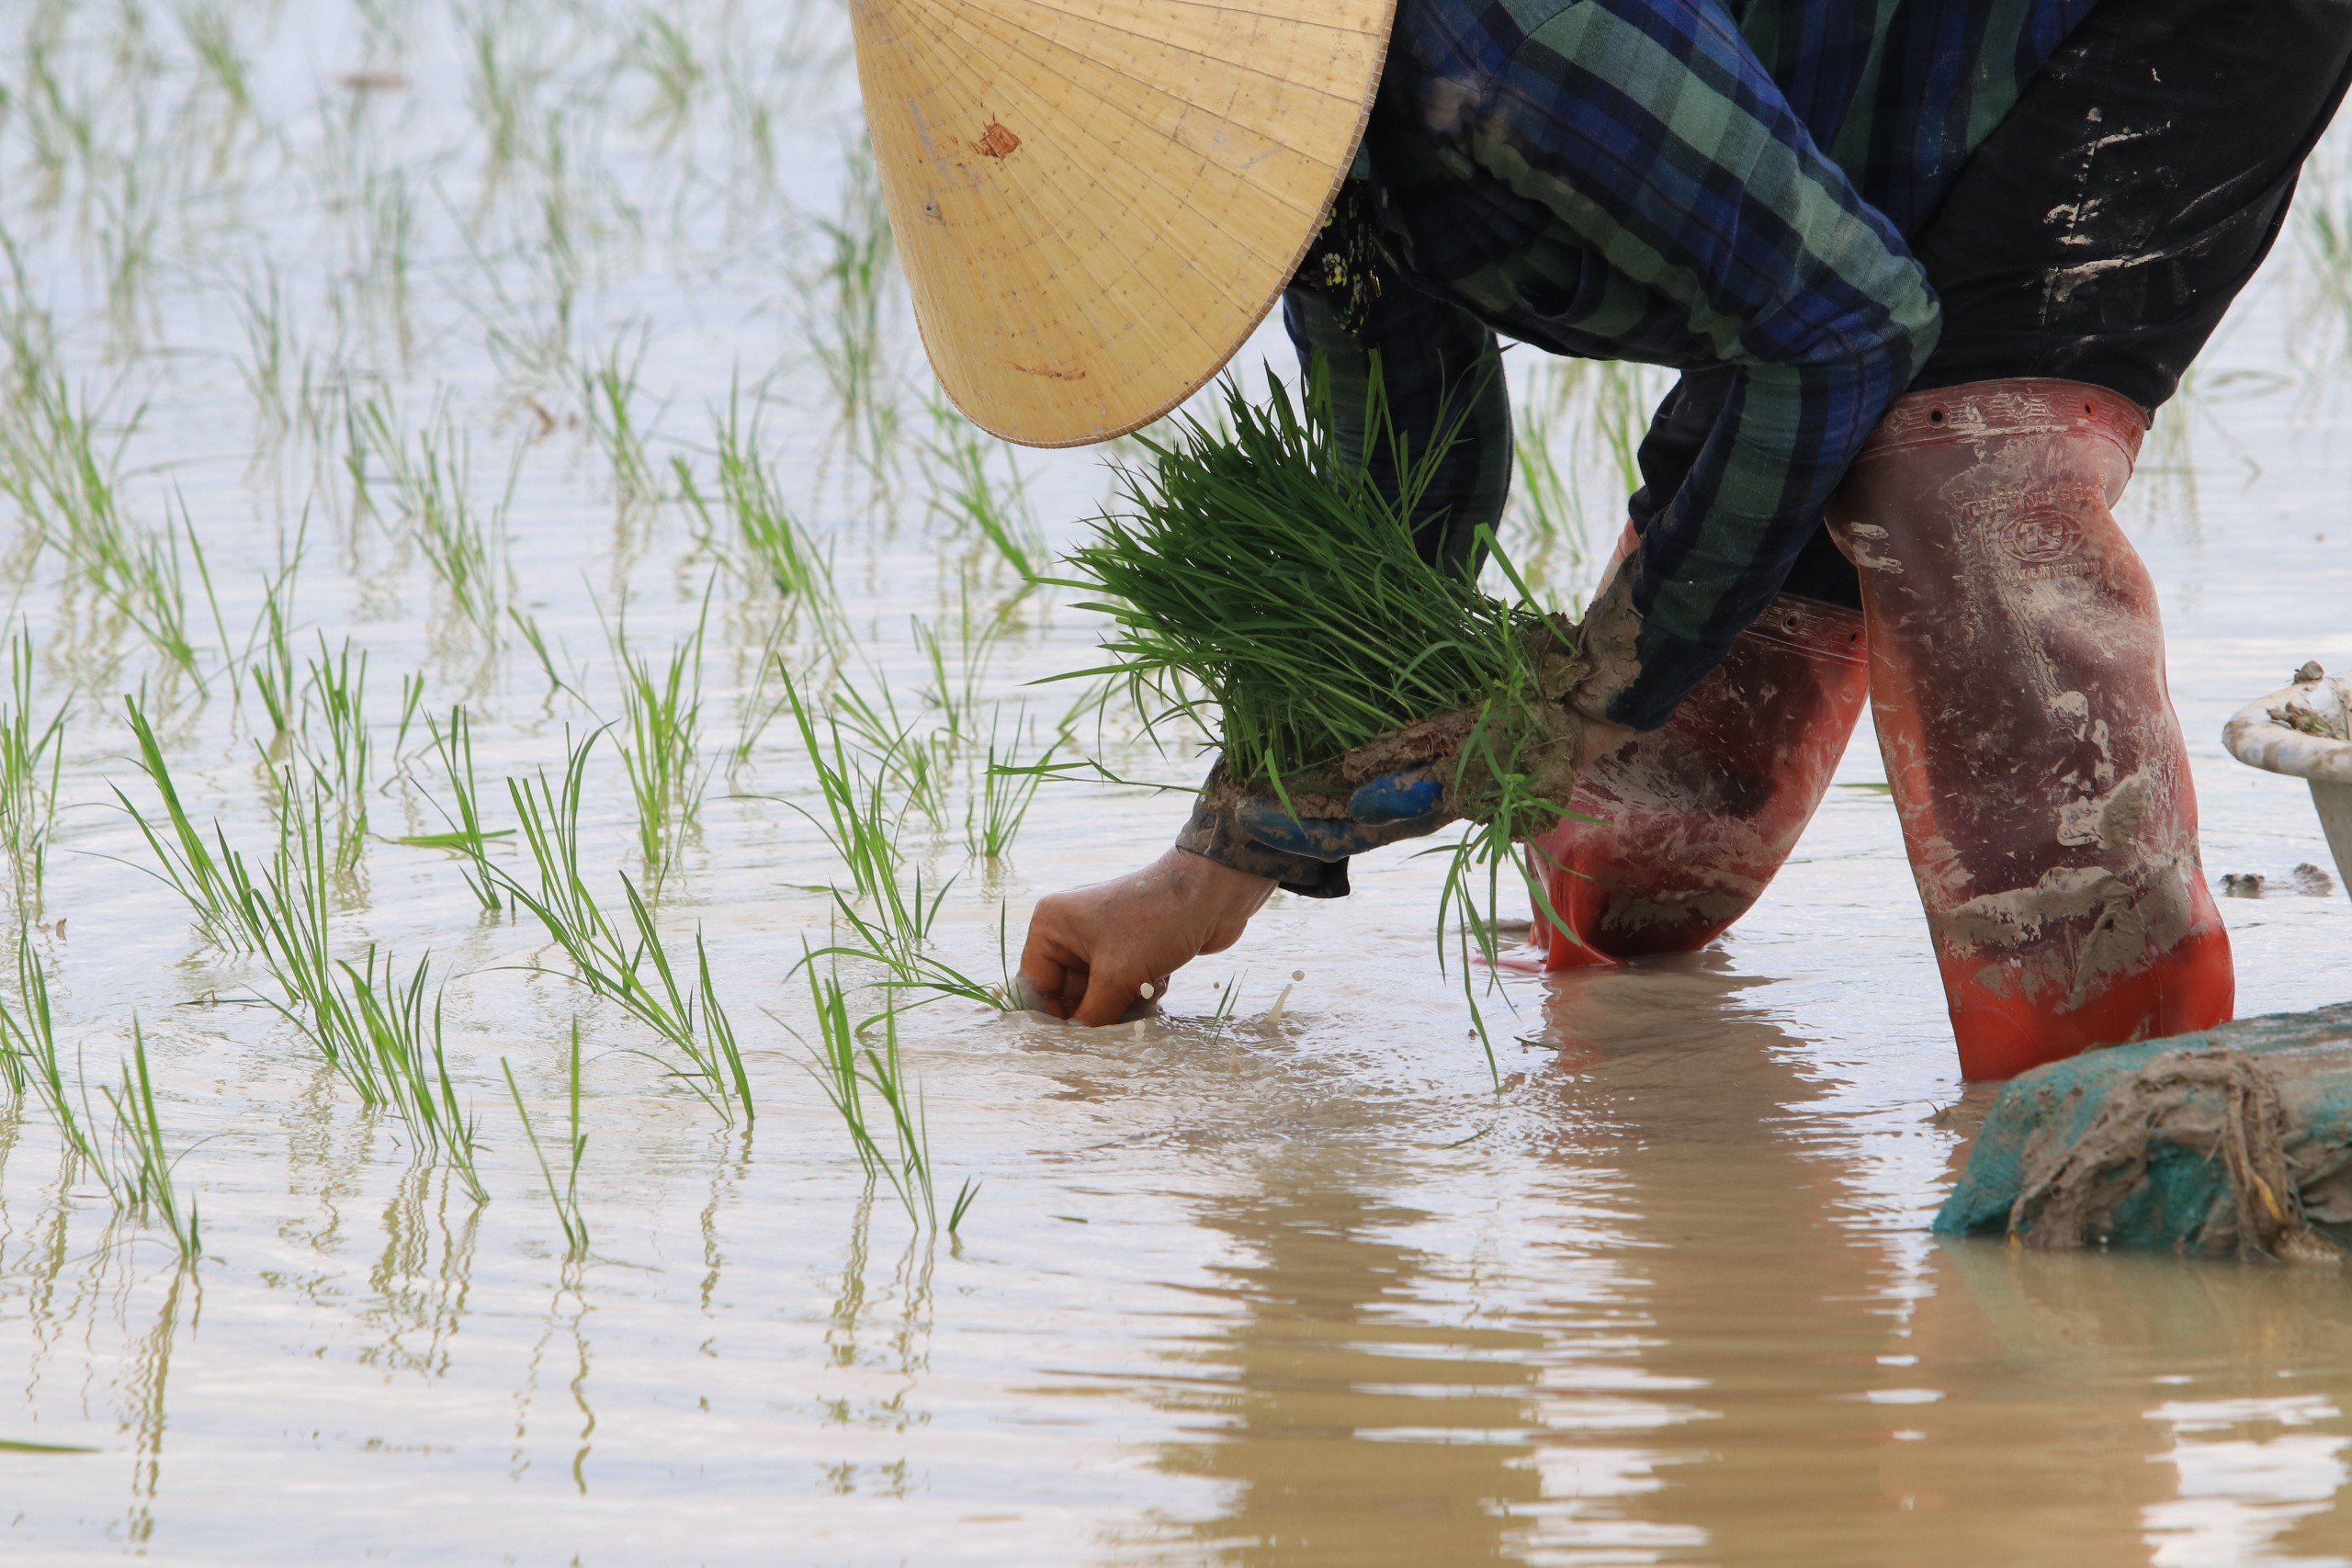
(473, 464)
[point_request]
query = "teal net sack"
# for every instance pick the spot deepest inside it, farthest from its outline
(2236, 1142)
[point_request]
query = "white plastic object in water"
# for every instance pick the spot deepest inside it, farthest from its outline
(2264, 736)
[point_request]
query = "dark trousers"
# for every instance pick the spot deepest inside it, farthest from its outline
(2104, 227)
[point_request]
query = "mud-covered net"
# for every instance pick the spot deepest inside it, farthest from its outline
(2233, 1142)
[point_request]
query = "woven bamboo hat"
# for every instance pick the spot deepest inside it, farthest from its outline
(1096, 201)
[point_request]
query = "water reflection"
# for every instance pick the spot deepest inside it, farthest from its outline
(1743, 1334)
(142, 1397)
(1351, 1423)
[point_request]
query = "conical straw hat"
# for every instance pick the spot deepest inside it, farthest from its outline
(1096, 201)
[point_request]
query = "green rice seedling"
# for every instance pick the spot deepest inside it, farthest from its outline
(847, 1068)
(605, 960)
(29, 1054)
(1544, 503)
(261, 311)
(660, 51)
(432, 487)
(764, 703)
(388, 240)
(857, 822)
(608, 389)
(1008, 788)
(269, 648)
(204, 873)
(566, 1198)
(335, 691)
(141, 1178)
(289, 913)
(32, 754)
(1269, 574)
(130, 215)
(956, 683)
(659, 742)
(214, 43)
(915, 764)
(764, 545)
(59, 129)
(412, 1062)
(412, 704)
(960, 463)
(886, 914)
(535, 640)
(155, 596)
(845, 311)
(498, 93)
(64, 475)
(465, 836)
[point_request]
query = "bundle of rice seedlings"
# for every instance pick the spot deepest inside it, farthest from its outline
(1265, 581)
(1262, 580)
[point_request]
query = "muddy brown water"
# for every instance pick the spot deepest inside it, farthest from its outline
(1234, 1290)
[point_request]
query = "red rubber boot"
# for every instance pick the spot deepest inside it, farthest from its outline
(2017, 676)
(1691, 821)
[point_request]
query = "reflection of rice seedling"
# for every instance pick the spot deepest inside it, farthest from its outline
(660, 742)
(566, 1198)
(609, 964)
(846, 1067)
(959, 463)
(1269, 570)
(30, 755)
(139, 1176)
(608, 389)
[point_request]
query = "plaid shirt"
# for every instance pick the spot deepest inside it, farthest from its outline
(1690, 183)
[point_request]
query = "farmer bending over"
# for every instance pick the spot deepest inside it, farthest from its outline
(1926, 268)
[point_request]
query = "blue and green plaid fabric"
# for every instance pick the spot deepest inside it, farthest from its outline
(1688, 184)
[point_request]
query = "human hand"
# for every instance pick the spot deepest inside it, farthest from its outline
(1091, 949)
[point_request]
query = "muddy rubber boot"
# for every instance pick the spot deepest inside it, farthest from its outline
(1691, 822)
(2018, 677)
